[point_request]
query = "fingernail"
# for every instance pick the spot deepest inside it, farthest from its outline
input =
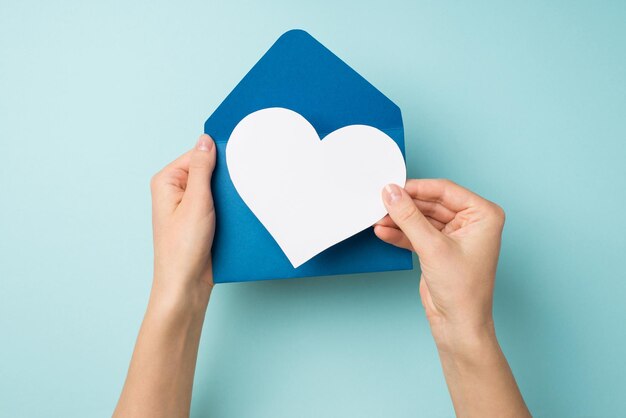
(392, 193)
(204, 143)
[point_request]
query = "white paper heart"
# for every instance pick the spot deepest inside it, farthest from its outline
(309, 193)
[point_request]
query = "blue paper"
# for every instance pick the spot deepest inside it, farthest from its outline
(300, 74)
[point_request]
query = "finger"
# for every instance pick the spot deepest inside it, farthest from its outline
(435, 210)
(168, 185)
(403, 211)
(387, 221)
(436, 223)
(445, 192)
(201, 165)
(164, 176)
(181, 162)
(393, 236)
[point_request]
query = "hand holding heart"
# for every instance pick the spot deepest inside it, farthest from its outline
(311, 193)
(456, 235)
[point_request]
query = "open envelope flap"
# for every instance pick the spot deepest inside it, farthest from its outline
(300, 74)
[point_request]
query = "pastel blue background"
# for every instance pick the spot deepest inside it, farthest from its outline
(522, 102)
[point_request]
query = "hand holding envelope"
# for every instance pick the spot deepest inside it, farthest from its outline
(301, 116)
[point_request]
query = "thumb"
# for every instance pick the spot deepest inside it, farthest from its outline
(201, 165)
(409, 219)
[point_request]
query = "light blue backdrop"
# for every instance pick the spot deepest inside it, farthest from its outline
(523, 102)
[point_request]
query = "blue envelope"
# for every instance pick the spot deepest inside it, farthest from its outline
(300, 74)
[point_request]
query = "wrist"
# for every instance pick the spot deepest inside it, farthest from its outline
(464, 341)
(175, 298)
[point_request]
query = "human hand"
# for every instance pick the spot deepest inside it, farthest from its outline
(160, 376)
(183, 220)
(456, 235)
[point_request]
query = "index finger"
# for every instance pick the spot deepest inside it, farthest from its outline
(168, 184)
(181, 163)
(445, 192)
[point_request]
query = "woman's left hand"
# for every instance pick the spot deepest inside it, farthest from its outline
(183, 220)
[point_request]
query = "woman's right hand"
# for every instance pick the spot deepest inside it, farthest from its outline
(456, 235)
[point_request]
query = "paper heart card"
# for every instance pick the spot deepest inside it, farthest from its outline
(304, 147)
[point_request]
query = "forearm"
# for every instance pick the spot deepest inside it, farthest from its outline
(479, 379)
(160, 377)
